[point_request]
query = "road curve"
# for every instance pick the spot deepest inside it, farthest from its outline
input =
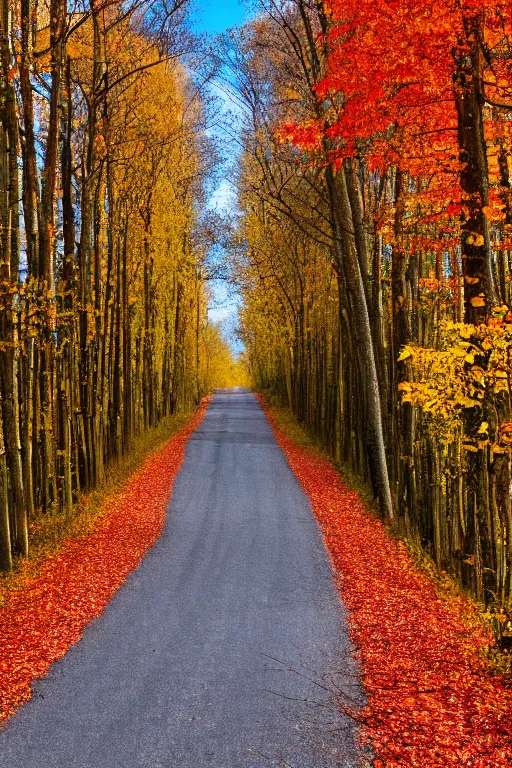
(222, 649)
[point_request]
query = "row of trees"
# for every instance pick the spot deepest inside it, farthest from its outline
(103, 160)
(374, 254)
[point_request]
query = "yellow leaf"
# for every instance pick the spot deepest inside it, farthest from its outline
(466, 331)
(484, 428)
(404, 354)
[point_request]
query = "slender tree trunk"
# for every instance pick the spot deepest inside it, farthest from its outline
(5, 524)
(480, 290)
(9, 265)
(346, 253)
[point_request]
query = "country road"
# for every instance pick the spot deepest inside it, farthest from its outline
(222, 650)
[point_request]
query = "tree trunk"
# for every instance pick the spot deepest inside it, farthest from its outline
(480, 290)
(347, 257)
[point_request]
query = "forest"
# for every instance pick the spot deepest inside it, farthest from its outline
(256, 383)
(371, 249)
(374, 255)
(104, 159)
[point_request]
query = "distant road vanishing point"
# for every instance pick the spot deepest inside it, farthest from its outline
(226, 648)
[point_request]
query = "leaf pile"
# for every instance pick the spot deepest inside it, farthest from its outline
(41, 622)
(432, 702)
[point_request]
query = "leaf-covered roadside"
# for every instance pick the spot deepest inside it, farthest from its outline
(40, 623)
(432, 702)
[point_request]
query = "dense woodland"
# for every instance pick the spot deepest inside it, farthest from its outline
(372, 250)
(103, 298)
(374, 254)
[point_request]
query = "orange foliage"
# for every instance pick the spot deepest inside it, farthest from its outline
(392, 79)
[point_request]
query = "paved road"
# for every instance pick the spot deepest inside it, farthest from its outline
(204, 658)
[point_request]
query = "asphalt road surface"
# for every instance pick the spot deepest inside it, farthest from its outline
(226, 648)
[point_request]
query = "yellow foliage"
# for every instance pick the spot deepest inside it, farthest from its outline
(218, 367)
(462, 375)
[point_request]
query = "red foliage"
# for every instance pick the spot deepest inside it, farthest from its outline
(432, 702)
(394, 72)
(41, 622)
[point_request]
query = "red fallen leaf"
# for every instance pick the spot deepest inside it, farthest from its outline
(413, 644)
(42, 621)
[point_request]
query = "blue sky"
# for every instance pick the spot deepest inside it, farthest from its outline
(214, 17)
